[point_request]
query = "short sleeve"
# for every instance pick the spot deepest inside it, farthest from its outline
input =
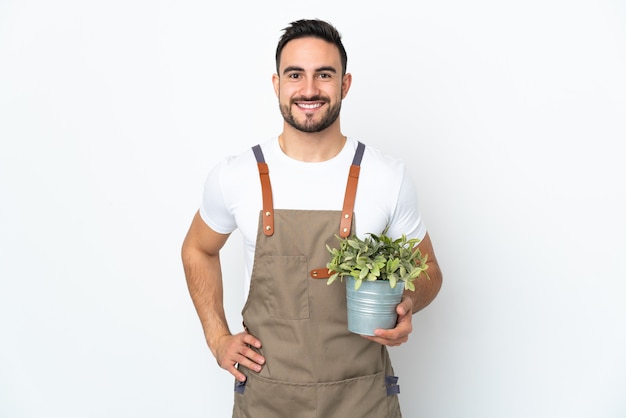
(406, 218)
(214, 209)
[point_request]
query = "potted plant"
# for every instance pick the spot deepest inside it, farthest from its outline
(378, 269)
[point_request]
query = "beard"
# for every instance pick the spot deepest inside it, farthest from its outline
(309, 125)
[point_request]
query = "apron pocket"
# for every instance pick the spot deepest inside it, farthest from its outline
(288, 288)
(358, 397)
(266, 398)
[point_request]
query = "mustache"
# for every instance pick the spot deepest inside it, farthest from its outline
(316, 98)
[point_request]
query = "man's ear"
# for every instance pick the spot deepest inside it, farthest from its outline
(276, 83)
(345, 85)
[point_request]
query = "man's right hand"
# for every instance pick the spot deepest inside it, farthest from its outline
(235, 349)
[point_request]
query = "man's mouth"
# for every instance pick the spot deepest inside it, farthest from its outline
(309, 106)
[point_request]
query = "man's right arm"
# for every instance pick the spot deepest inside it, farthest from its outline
(201, 261)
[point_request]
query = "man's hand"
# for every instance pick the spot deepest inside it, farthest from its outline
(400, 334)
(235, 349)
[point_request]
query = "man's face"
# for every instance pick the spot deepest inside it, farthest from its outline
(309, 85)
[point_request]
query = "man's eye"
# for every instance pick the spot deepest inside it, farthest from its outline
(324, 75)
(294, 75)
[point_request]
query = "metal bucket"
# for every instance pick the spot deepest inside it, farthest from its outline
(372, 306)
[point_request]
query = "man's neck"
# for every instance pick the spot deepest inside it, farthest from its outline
(311, 147)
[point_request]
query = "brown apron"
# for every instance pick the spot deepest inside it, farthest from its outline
(315, 367)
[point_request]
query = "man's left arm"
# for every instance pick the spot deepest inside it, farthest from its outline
(426, 289)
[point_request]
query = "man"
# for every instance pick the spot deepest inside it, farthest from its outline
(295, 357)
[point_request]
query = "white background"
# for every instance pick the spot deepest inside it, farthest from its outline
(510, 114)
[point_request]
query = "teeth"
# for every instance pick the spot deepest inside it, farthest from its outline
(310, 106)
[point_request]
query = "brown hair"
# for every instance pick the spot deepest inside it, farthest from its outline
(312, 28)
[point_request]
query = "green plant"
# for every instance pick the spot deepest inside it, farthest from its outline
(377, 257)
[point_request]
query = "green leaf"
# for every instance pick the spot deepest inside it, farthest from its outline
(392, 265)
(415, 273)
(402, 271)
(393, 281)
(363, 274)
(375, 270)
(332, 278)
(354, 244)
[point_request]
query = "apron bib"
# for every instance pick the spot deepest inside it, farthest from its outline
(315, 367)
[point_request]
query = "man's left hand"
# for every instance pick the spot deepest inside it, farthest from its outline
(399, 334)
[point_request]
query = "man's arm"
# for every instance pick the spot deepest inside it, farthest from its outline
(201, 261)
(413, 301)
(426, 290)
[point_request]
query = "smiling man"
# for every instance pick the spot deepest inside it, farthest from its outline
(289, 199)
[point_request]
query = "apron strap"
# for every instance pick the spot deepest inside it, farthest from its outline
(348, 201)
(266, 190)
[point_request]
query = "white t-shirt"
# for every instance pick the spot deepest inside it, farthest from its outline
(386, 195)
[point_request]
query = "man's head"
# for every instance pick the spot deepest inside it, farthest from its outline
(314, 28)
(311, 79)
